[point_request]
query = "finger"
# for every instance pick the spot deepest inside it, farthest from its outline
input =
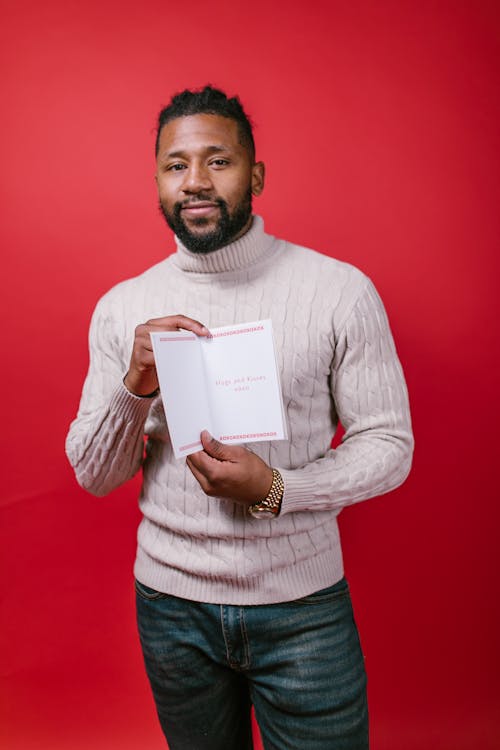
(203, 463)
(177, 322)
(213, 476)
(198, 475)
(218, 450)
(144, 343)
(193, 459)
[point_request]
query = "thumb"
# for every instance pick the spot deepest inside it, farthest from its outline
(214, 448)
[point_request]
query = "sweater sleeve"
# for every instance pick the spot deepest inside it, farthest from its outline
(371, 400)
(105, 442)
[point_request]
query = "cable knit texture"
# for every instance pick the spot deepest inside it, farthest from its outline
(337, 361)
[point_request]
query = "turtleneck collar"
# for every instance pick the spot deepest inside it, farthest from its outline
(249, 249)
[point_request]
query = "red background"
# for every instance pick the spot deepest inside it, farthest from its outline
(379, 125)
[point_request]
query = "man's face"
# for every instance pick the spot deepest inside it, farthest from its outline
(206, 179)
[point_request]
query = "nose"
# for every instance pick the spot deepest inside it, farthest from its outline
(196, 179)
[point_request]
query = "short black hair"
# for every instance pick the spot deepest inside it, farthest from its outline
(208, 101)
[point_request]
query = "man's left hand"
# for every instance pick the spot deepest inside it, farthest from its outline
(230, 471)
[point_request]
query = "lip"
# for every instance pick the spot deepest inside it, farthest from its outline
(203, 208)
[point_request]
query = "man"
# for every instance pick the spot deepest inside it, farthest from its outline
(241, 597)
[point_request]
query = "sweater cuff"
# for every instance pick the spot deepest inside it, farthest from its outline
(130, 407)
(297, 494)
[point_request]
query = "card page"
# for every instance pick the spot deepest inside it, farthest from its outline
(243, 383)
(227, 383)
(181, 375)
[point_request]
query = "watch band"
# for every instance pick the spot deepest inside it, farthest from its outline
(270, 506)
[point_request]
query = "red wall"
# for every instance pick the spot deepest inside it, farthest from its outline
(379, 125)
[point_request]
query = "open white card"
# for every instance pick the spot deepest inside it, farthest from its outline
(227, 384)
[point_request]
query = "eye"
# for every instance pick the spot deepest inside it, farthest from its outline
(176, 167)
(219, 162)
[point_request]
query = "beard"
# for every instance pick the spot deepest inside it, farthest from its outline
(227, 228)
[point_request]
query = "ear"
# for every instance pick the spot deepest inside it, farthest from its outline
(258, 178)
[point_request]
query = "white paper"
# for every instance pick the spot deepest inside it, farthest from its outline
(227, 384)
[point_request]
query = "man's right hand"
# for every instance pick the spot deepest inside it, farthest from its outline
(141, 378)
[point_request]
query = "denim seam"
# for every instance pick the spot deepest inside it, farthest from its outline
(148, 597)
(311, 599)
(225, 633)
(245, 641)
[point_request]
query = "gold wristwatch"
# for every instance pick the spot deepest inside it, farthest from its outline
(270, 506)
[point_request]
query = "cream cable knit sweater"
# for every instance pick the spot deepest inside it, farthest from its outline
(337, 361)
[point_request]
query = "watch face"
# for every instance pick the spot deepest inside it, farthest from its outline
(262, 513)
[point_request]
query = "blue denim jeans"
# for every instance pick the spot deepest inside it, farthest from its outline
(299, 663)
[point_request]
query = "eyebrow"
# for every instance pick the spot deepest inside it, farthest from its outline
(216, 149)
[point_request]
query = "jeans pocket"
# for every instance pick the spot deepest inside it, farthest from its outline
(339, 590)
(150, 595)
